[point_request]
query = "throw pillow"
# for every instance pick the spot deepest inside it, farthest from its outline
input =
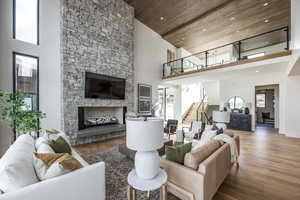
(60, 145)
(177, 153)
(45, 148)
(208, 135)
(52, 165)
(195, 157)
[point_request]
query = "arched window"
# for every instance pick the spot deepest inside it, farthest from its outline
(236, 102)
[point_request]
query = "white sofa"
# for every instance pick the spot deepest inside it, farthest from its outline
(85, 183)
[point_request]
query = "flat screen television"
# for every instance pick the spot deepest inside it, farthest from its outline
(99, 86)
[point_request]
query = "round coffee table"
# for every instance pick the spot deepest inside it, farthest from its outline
(136, 183)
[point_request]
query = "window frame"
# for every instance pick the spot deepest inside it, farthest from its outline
(38, 23)
(14, 55)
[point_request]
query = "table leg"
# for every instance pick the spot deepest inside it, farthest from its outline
(133, 194)
(163, 192)
(130, 193)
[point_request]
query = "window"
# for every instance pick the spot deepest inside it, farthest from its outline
(236, 102)
(25, 70)
(260, 100)
(26, 21)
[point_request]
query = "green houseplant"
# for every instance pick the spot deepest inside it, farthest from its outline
(16, 112)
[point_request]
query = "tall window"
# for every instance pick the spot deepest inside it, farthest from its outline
(26, 78)
(26, 19)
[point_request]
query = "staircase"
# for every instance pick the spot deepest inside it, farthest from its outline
(192, 112)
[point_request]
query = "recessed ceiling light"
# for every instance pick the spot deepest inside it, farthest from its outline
(256, 71)
(266, 4)
(238, 31)
(266, 20)
(204, 29)
(162, 18)
(232, 18)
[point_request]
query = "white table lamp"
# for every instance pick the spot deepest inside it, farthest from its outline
(221, 118)
(145, 137)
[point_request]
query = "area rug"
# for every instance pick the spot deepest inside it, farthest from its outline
(117, 167)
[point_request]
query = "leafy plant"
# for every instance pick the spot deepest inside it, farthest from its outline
(14, 110)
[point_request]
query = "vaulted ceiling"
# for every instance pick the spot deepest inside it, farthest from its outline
(198, 25)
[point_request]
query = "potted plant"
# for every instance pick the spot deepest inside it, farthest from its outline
(17, 113)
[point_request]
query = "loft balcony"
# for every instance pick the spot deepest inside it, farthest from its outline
(264, 46)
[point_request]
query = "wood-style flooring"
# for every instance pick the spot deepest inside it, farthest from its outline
(269, 167)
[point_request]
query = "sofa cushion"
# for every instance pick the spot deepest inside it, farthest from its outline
(52, 165)
(195, 157)
(17, 169)
(177, 153)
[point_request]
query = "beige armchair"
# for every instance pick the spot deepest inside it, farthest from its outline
(203, 183)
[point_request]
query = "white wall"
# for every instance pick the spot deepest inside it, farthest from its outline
(213, 92)
(49, 53)
(293, 106)
(295, 22)
(245, 88)
(150, 52)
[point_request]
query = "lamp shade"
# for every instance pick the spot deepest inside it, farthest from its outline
(221, 117)
(144, 135)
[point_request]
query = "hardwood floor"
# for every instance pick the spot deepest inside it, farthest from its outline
(269, 167)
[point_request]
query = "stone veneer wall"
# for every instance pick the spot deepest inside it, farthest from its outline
(96, 37)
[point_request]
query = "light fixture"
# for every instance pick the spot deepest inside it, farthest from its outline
(266, 4)
(232, 18)
(238, 31)
(266, 20)
(162, 18)
(256, 71)
(204, 30)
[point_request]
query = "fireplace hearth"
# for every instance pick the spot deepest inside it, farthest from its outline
(100, 123)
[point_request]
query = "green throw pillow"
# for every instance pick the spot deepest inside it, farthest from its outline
(60, 145)
(177, 153)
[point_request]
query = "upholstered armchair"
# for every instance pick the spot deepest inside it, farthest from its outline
(171, 127)
(195, 131)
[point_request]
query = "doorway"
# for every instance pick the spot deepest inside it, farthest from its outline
(267, 106)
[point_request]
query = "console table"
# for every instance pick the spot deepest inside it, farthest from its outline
(239, 121)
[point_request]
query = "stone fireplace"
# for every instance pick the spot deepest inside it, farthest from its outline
(100, 117)
(100, 123)
(99, 41)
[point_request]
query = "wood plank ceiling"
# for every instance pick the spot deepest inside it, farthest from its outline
(198, 25)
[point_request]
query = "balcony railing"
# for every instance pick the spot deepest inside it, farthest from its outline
(271, 42)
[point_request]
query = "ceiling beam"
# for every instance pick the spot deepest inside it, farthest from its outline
(196, 18)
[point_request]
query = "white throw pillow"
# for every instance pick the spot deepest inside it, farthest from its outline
(45, 148)
(40, 141)
(17, 169)
(208, 134)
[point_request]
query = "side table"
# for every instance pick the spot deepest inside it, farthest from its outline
(136, 183)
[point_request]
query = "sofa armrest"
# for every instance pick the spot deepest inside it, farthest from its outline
(85, 183)
(183, 177)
